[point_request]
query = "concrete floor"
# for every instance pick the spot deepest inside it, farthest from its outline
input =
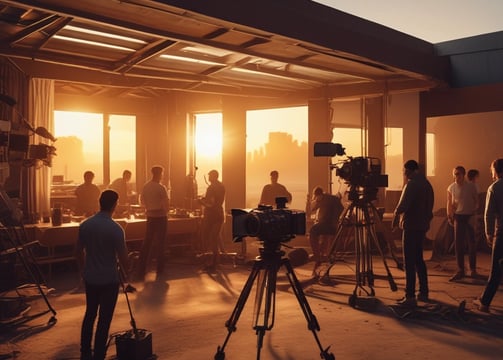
(186, 313)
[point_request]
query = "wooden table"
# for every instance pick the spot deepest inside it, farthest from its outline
(66, 233)
(57, 243)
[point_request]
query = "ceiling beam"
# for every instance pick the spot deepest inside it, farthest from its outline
(76, 9)
(149, 51)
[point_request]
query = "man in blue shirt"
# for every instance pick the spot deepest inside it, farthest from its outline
(100, 245)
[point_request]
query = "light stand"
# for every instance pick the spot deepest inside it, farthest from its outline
(16, 235)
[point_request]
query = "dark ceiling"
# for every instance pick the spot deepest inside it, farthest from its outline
(261, 48)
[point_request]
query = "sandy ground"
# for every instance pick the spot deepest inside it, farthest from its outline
(186, 312)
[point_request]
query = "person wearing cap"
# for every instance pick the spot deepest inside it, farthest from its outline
(414, 213)
(274, 190)
(213, 219)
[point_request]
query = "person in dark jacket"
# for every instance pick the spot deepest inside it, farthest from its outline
(493, 216)
(414, 213)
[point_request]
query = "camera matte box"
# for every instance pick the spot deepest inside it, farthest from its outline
(131, 347)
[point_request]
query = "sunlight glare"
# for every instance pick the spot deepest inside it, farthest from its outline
(88, 126)
(208, 139)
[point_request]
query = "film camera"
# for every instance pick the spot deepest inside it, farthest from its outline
(362, 171)
(272, 226)
(356, 171)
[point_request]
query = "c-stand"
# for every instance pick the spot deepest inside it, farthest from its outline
(15, 234)
(264, 272)
(361, 216)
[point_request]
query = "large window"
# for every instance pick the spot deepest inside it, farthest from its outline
(122, 145)
(80, 146)
(393, 140)
(430, 154)
(208, 147)
(276, 139)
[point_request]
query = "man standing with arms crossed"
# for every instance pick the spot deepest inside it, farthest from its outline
(415, 209)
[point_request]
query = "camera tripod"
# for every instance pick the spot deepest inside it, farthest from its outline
(361, 216)
(264, 272)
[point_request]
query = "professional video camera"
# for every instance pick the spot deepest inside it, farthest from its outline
(362, 171)
(355, 171)
(272, 226)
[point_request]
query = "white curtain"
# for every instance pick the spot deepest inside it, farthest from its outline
(41, 113)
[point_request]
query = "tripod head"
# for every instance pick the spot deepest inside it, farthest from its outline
(363, 194)
(271, 249)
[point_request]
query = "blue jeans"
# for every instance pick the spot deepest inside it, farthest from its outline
(102, 299)
(414, 263)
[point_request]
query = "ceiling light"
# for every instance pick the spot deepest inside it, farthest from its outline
(95, 43)
(207, 50)
(256, 72)
(192, 60)
(103, 34)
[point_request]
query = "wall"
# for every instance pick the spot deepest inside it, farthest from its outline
(469, 123)
(470, 140)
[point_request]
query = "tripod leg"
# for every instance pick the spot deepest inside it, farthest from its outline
(347, 213)
(363, 263)
(386, 239)
(265, 303)
(230, 324)
(312, 322)
(373, 237)
(340, 227)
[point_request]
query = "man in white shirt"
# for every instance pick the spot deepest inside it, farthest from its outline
(462, 203)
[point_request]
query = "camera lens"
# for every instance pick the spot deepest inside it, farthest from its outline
(252, 225)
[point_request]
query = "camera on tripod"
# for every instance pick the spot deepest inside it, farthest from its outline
(272, 226)
(362, 174)
(362, 171)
